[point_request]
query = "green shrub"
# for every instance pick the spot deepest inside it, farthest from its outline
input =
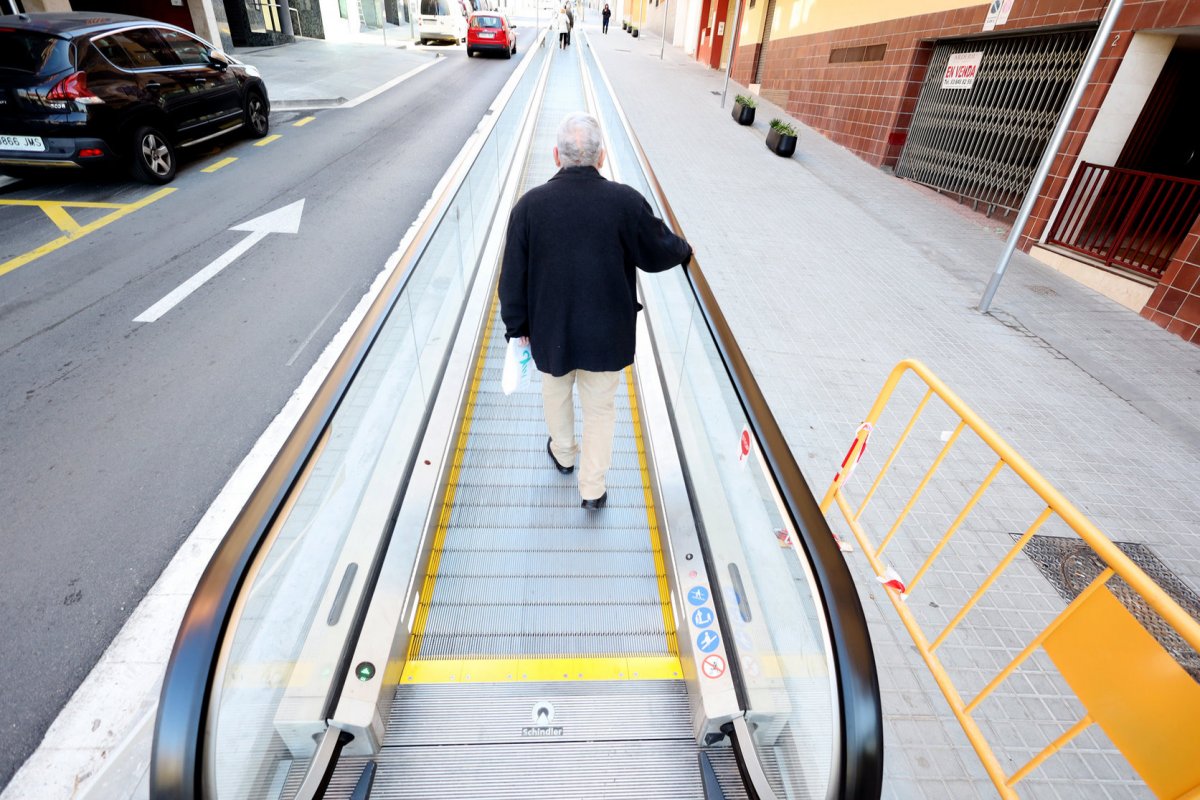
(783, 127)
(748, 102)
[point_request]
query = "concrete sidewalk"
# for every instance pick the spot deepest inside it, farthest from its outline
(830, 272)
(311, 73)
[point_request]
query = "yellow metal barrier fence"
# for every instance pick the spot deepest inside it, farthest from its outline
(1129, 685)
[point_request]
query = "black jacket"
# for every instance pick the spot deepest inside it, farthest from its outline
(567, 281)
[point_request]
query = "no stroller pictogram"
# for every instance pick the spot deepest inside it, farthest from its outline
(713, 666)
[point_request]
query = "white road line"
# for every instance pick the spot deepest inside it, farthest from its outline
(324, 319)
(362, 98)
(281, 220)
(193, 283)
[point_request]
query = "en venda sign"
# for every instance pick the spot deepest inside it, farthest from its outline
(961, 70)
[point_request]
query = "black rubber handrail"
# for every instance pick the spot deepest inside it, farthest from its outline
(859, 775)
(176, 762)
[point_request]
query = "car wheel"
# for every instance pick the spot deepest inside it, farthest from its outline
(470, 52)
(153, 156)
(258, 120)
(507, 53)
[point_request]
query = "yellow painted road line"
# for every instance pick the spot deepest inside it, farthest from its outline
(59, 216)
(267, 140)
(224, 162)
(62, 203)
(518, 670)
(49, 247)
(300, 123)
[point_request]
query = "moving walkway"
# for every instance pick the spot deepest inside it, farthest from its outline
(412, 603)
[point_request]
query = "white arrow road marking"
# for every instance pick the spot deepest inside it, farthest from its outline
(282, 220)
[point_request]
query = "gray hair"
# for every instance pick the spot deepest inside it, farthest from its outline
(579, 141)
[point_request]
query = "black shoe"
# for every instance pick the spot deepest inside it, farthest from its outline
(561, 468)
(595, 505)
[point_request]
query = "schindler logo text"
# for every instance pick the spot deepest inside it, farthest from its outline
(536, 732)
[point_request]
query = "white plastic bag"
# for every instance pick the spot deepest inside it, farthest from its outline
(518, 363)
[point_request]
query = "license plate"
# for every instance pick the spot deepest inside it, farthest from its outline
(486, 35)
(29, 143)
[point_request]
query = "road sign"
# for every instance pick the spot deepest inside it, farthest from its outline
(713, 666)
(698, 596)
(708, 641)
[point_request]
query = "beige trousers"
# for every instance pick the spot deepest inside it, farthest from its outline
(597, 395)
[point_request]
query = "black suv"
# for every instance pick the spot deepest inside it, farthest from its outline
(78, 89)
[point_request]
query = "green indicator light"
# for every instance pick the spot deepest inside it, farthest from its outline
(365, 671)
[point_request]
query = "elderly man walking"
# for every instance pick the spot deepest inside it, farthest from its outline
(568, 285)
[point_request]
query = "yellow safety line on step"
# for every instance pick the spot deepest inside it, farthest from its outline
(664, 591)
(439, 539)
(530, 669)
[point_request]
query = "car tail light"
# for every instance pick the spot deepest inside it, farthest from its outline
(74, 88)
(91, 152)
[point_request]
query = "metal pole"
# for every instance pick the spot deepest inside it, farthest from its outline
(1051, 151)
(737, 23)
(666, 13)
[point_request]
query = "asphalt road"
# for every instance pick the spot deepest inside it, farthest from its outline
(115, 436)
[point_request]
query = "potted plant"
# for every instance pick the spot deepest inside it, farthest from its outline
(635, 32)
(781, 138)
(624, 24)
(743, 109)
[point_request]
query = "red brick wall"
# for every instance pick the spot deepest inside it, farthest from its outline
(867, 107)
(1175, 304)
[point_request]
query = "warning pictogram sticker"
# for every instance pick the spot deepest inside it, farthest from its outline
(713, 666)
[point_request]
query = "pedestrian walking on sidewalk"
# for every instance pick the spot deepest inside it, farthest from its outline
(563, 25)
(567, 285)
(605, 14)
(570, 23)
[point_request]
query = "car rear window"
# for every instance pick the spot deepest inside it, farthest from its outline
(26, 51)
(435, 8)
(487, 22)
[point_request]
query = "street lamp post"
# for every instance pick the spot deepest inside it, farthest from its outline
(666, 13)
(737, 24)
(1051, 151)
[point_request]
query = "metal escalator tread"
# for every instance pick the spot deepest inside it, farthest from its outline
(499, 587)
(450, 747)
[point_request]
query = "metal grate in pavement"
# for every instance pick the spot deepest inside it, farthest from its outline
(1070, 565)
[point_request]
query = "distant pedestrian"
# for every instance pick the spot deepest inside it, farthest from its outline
(568, 286)
(563, 26)
(570, 23)
(605, 14)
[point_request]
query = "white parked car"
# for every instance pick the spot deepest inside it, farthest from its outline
(442, 21)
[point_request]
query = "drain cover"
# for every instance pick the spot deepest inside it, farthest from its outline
(1070, 565)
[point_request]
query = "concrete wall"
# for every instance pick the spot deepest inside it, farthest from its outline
(1175, 304)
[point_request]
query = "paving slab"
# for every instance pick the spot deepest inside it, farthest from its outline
(830, 271)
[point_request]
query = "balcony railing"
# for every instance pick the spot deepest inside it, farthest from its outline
(1126, 218)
